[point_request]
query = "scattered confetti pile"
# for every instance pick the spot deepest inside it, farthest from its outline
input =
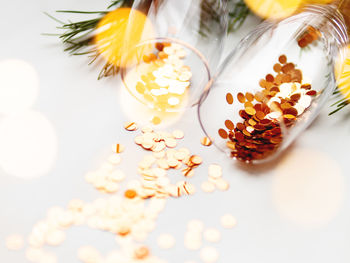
(132, 215)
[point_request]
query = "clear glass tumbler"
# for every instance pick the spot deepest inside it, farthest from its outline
(168, 69)
(273, 84)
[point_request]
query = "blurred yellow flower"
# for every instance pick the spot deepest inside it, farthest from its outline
(342, 73)
(278, 9)
(119, 32)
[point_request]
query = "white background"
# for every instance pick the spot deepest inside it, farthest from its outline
(281, 218)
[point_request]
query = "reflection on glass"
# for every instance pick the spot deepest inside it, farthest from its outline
(186, 48)
(273, 85)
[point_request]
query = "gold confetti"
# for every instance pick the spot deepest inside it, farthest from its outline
(209, 255)
(14, 242)
(178, 134)
(55, 237)
(125, 216)
(212, 235)
(118, 148)
(228, 221)
(156, 120)
(208, 187)
(205, 141)
(130, 126)
(165, 241)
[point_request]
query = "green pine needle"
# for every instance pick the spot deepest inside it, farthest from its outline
(340, 103)
(238, 15)
(78, 37)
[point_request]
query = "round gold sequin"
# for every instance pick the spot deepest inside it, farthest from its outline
(248, 104)
(130, 193)
(166, 241)
(156, 120)
(228, 221)
(277, 67)
(241, 97)
(208, 187)
(205, 141)
(195, 159)
(141, 252)
(209, 255)
(282, 59)
(249, 96)
(269, 78)
(212, 235)
(178, 134)
(260, 115)
(118, 148)
(229, 125)
(170, 142)
(311, 93)
(130, 126)
(229, 98)
(231, 145)
(14, 242)
(289, 116)
(55, 237)
(223, 134)
(250, 110)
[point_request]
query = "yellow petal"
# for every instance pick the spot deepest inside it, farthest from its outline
(342, 74)
(119, 32)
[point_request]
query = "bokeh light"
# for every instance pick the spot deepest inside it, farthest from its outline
(19, 84)
(308, 188)
(28, 144)
(278, 9)
(119, 32)
(274, 9)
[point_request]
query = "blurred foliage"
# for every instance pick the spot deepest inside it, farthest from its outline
(78, 37)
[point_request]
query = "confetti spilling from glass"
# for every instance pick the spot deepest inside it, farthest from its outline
(283, 99)
(132, 215)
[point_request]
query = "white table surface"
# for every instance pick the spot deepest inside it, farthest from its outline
(281, 217)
